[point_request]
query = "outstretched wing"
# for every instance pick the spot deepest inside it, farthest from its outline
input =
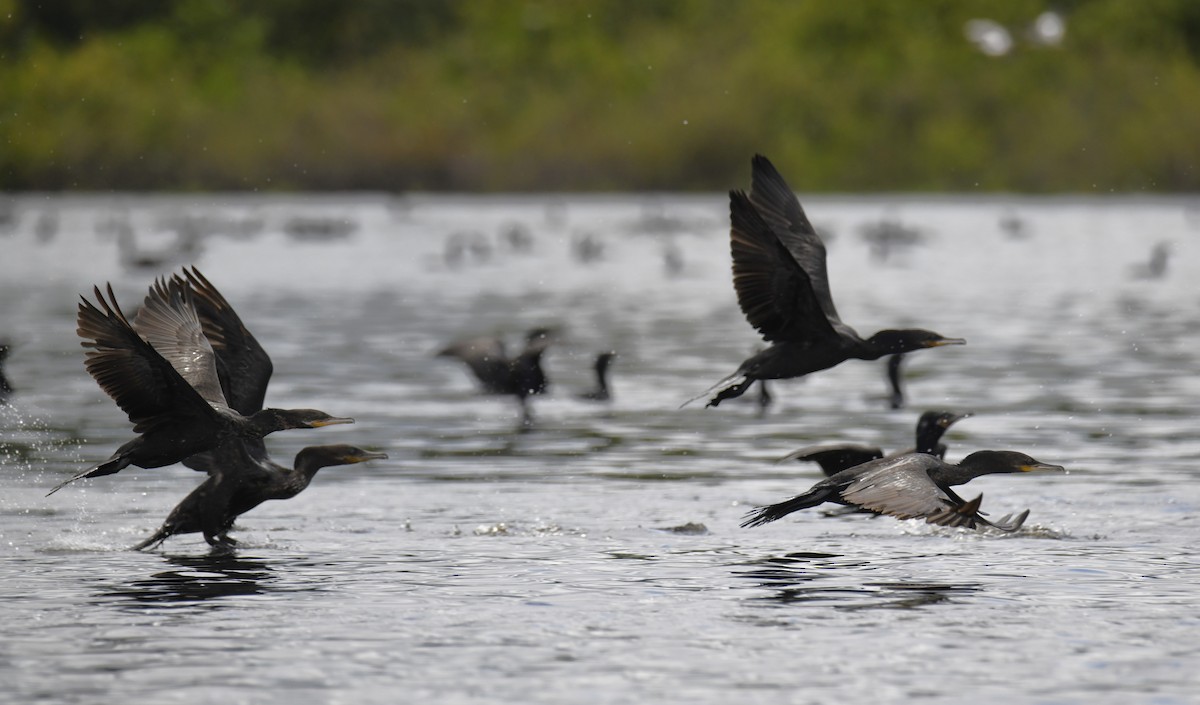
(140, 380)
(487, 360)
(169, 322)
(773, 290)
(243, 366)
(779, 207)
(900, 487)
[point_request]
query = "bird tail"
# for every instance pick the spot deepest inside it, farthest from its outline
(769, 513)
(108, 467)
(732, 386)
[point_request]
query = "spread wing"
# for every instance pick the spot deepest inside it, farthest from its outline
(243, 366)
(900, 487)
(773, 290)
(779, 207)
(139, 379)
(487, 360)
(169, 322)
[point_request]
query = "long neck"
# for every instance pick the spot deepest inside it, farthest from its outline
(888, 342)
(267, 421)
(308, 462)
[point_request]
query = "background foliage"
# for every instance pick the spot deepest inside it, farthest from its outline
(612, 94)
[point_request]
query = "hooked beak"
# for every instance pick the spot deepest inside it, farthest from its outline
(946, 341)
(332, 421)
(1042, 467)
(365, 456)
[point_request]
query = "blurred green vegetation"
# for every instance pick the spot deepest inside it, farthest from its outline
(607, 95)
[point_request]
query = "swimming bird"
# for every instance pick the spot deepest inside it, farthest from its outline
(600, 393)
(911, 486)
(6, 389)
(240, 477)
(161, 370)
(783, 289)
(521, 376)
(834, 458)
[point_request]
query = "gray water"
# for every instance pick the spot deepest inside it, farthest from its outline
(597, 558)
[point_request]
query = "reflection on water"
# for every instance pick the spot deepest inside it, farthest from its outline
(194, 580)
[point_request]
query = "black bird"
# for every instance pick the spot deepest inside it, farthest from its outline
(241, 477)
(521, 376)
(600, 393)
(836, 458)
(162, 372)
(6, 389)
(783, 289)
(915, 485)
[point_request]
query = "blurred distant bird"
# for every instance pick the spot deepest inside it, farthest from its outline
(521, 376)
(887, 236)
(1156, 268)
(517, 238)
(466, 244)
(587, 248)
(600, 392)
(241, 477)
(163, 372)
(783, 289)
(1013, 225)
(912, 486)
(6, 389)
(838, 457)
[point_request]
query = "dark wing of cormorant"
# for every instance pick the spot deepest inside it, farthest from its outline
(773, 290)
(835, 458)
(487, 360)
(143, 383)
(169, 322)
(777, 204)
(242, 365)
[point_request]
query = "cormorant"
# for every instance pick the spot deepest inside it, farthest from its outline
(836, 458)
(521, 376)
(783, 289)
(162, 371)
(600, 393)
(241, 477)
(910, 486)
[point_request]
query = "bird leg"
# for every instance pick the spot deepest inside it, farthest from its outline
(730, 392)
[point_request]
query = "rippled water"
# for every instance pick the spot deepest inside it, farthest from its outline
(597, 558)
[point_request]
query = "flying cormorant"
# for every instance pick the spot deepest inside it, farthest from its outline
(161, 370)
(783, 289)
(910, 486)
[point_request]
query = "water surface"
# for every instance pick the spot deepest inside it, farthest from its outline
(597, 558)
